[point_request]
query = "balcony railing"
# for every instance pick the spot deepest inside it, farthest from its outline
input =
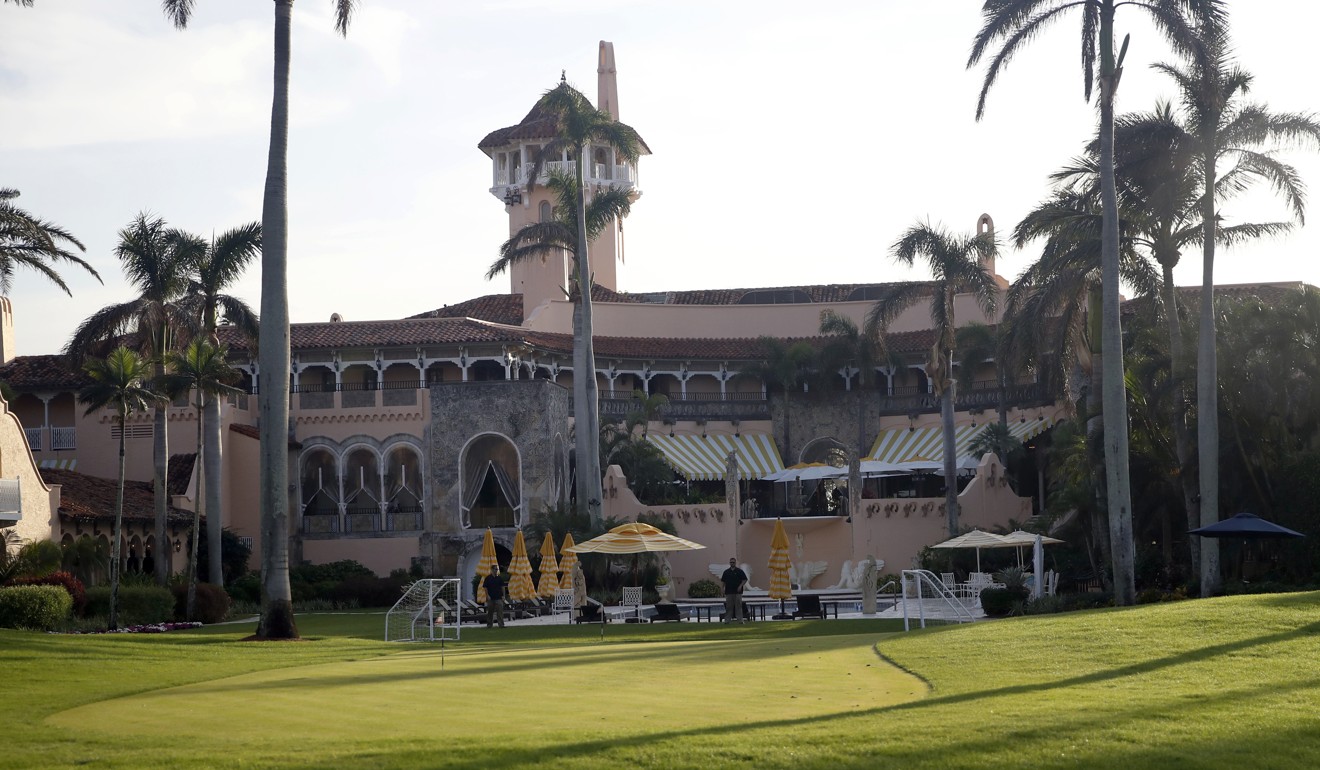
(622, 175)
(63, 438)
(33, 438)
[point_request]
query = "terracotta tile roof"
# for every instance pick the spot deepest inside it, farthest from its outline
(93, 498)
(25, 373)
(180, 472)
(1190, 296)
(409, 331)
(496, 308)
(819, 293)
(538, 124)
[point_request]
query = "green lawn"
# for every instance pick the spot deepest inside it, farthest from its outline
(1224, 683)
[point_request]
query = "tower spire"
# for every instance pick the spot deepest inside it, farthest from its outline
(607, 86)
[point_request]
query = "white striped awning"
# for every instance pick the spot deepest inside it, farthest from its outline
(905, 445)
(60, 465)
(700, 458)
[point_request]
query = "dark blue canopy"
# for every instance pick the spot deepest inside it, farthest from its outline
(1245, 525)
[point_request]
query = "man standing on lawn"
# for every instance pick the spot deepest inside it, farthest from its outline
(734, 580)
(494, 585)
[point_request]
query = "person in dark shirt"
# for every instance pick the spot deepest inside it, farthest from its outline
(735, 580)
(494, 585)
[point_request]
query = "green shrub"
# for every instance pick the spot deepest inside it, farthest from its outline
(1045, 605)
(368, 592)
(704, 589)
(331, 572)
(40, 608)
(247, 588)
(211, 604)
(998, 602)
(137, 604)
(65, 580)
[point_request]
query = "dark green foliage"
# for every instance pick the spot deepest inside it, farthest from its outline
(246, 588)
(331, 572)
(212, 603)
(138, 604)
(234, 555)
(40, 608)
(704, 589)
(998, 602)
(63, 579)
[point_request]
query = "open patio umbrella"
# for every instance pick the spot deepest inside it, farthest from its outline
(487, 561)
(569, 561)
(1020, 539)
(975, 539)
(634, 538)
(1247, 526)
(807, 472)
(780, 586)
(520, 572)
(549, 582)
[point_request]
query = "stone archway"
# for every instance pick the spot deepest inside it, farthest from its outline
(490, 483)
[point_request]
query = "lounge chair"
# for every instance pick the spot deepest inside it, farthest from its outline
(808, 606)
(667, 612)
(591, 613)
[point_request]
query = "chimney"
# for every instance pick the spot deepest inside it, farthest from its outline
(7, 351)
(607, 86)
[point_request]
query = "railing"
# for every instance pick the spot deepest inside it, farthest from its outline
(598, 172)
(356, 399)
(63, 438)
(316, 400)
(362, 522)
(753, 408)
(481, 518)
(320, 523)
(33, 438)
(404, 521)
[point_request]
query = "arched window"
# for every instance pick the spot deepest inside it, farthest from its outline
(362, 481)
(491, 478)
(403, 480)
(320, 483)
(547, 211)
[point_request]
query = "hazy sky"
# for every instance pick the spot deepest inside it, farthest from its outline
(792, 141)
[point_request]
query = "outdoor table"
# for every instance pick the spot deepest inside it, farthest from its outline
(697, 611)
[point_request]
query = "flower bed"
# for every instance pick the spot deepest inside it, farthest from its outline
(147, 628)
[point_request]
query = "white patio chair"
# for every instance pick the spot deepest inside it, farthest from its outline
(948, 579)
(632, 597)
(563, 602)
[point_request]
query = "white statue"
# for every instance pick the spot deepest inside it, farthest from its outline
(579, 586)
(870, 573)
(802, 573)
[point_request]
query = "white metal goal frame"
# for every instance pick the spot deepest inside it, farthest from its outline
(921, 586)
(428, 611)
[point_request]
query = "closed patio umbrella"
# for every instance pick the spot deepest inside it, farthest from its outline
(520, 572)
(780, 586)
(487, 561)
(549, 581)
(568, 562)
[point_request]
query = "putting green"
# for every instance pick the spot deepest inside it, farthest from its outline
(549, 697)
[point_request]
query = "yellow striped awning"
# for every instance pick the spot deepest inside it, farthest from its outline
(700, 458)
(905, 445)
(1025, 430)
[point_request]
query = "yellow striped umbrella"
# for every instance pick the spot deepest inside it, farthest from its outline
(570, 561)
(781, 586)
(634, 538)
(549, 582)
(520, 572)
(487, 561)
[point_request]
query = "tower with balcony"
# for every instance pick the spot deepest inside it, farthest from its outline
(513, 151)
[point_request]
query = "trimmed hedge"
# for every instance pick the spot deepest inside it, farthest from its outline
(40, 608)
(998, 602)
(212, 603)
(704, 589)
(138, 605)
(65, 580)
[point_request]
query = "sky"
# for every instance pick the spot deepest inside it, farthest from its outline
(793, 142)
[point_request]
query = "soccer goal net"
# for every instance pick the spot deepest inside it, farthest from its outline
(428, 611)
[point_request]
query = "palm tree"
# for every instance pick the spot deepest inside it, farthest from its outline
(1015, 23)
(787, 366)
(26, 241)
(1222, 131)
(118, 383)
(221, 262)
(575, 223)
(958, 265)
(155, 260)
(274, 355)
(202, 368)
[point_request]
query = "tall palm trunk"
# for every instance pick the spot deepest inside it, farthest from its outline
(950, 461)
(160, 455)
(118, 533)
(855, 462)
(1207, 378)
(277, 620)
(212, 454)
(1182, 440)
(588, 419)
(198, 505)
(1114, 395)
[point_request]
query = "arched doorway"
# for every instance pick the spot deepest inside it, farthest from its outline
(490, 474)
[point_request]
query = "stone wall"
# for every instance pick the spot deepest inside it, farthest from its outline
(529, 413)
